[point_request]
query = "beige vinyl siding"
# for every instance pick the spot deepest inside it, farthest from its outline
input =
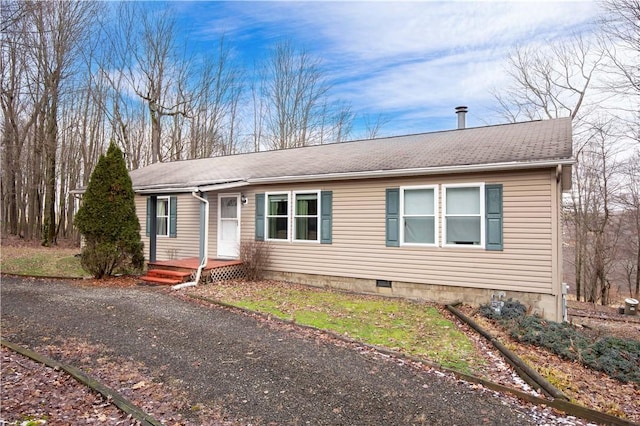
(358, 248)
(187, 241)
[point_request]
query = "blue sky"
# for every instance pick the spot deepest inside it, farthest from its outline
(410, 62)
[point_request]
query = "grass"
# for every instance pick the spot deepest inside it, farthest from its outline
(413, 328)
(41, 262)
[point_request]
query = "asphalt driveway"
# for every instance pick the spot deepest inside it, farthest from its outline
(258, 373)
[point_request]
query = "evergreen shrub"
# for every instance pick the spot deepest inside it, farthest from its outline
(511, 309)
(107, 219)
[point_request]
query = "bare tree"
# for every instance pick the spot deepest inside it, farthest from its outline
(60, 27)
(295, 93)
(373, 126)
(621, 25)
(40, 54)
(598, 181)
(630, 201)
(555, 83)
(19, 115)
(343, 123)
(549, 83)
(148, 57)
(215, 123)
(258, 112)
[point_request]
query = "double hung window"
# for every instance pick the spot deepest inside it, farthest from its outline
(162, 216)
(464, 215)
(278, 216)
(306, 216)
(418, 212)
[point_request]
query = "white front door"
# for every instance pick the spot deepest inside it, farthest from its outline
(228, 225)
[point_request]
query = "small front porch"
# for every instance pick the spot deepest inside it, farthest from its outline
(176, 271)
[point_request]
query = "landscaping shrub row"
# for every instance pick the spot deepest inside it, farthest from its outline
(619, 358)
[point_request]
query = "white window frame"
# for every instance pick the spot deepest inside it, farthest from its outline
(294, 216)
(482, 215)
(435, 215)
(168, 216)
(267, 216)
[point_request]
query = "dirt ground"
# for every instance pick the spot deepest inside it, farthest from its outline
(598, 320)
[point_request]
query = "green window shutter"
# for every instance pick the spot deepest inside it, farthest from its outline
(393, 217)
(493, 208)
(148, 230)
(259, 217)
(173, 217)
(326, 219)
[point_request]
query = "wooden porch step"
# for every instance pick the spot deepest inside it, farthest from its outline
(160, 281)
(168, 273)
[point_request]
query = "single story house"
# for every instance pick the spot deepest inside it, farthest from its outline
(460, 215)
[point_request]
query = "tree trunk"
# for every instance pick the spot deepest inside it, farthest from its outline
(49, 225)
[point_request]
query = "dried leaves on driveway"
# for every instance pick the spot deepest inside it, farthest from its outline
(33, 391)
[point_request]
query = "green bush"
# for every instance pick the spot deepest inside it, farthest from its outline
(511, 309)
(561, 338)
(618, 358)
(107, 219)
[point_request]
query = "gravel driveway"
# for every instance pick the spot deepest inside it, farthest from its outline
(258, 373)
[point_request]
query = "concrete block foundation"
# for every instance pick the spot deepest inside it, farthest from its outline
(538, 303)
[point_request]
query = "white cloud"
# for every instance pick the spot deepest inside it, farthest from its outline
(409, 59)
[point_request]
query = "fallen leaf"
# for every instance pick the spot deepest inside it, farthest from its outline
(138, 385)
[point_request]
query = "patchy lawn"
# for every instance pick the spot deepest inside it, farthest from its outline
(41, 262)
(417, 329)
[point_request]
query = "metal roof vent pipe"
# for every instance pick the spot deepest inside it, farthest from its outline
(462, 116)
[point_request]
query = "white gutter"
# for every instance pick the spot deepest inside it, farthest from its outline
(157, 189)
(205, 256)
(165, 190)
(221, 186)
(369, 174)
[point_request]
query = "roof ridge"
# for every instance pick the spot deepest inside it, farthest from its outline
(353, 141)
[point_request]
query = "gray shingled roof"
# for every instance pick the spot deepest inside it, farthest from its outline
(504, 146)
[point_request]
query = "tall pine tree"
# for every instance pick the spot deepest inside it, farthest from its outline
(107, 219)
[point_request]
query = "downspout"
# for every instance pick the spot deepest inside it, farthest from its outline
(203, 262)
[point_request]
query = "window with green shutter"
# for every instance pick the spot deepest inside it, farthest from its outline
(166, 216)
(298, 216)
